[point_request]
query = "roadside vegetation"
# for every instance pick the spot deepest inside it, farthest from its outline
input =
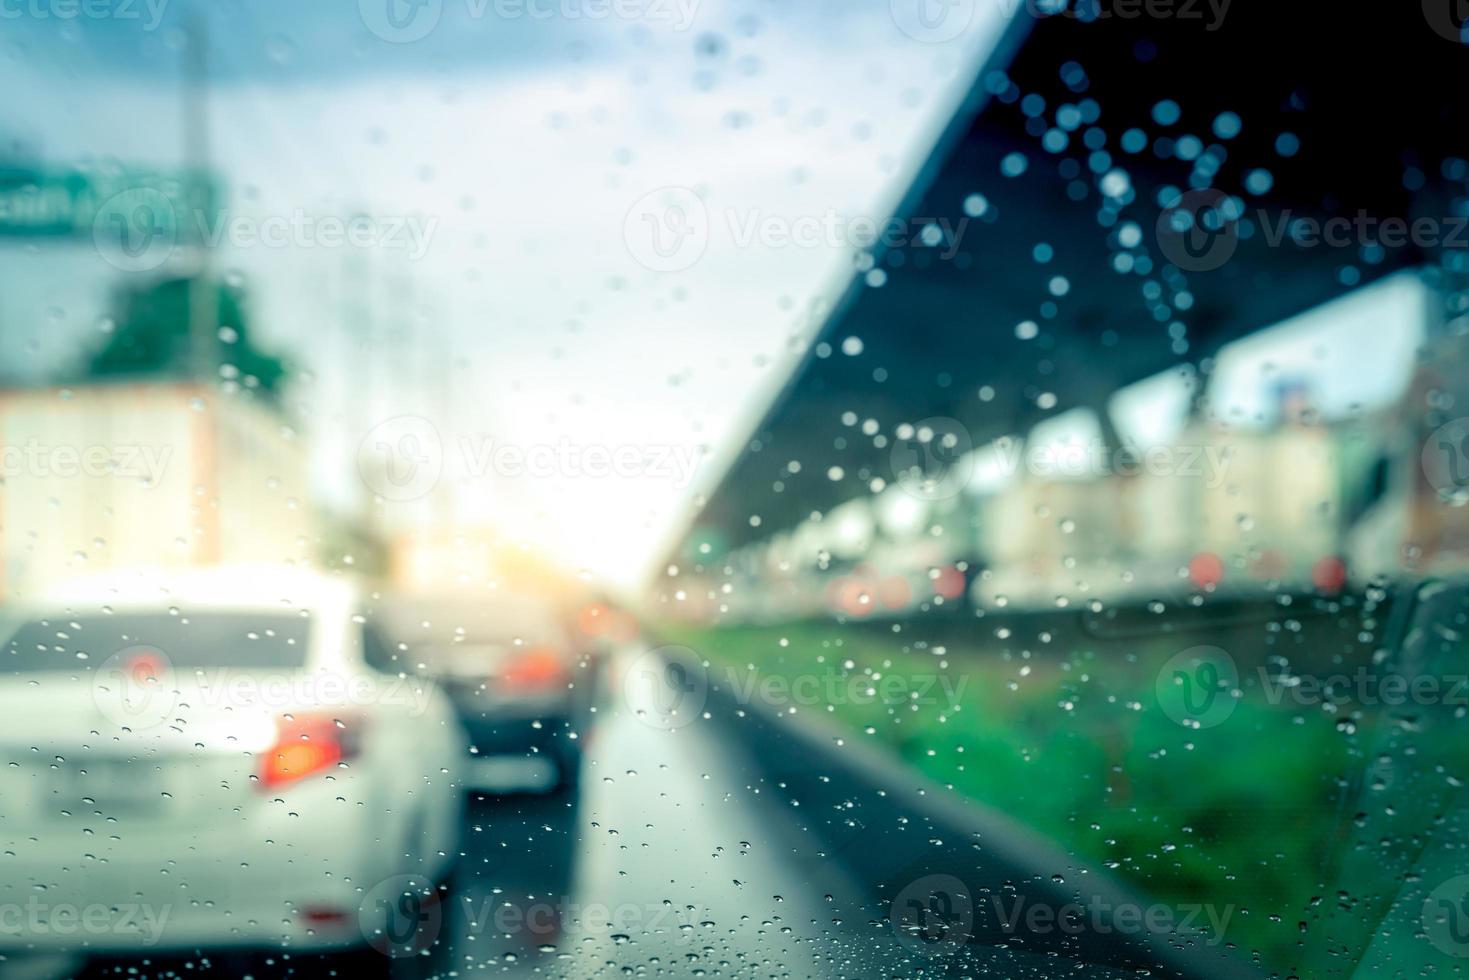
(1070, 738)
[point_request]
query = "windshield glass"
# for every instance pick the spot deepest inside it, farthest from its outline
(570, 488)
(245, 640)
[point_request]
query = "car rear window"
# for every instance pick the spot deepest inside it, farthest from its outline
(226, 639)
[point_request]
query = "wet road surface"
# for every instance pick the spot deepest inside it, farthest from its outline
(718, 848)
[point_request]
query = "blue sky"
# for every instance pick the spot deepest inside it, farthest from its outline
(520, 144)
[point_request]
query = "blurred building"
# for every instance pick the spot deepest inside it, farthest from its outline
(170, 474)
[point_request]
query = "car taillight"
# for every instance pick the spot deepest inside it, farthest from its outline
(307, 744)
(1329, 574)
(537, 667)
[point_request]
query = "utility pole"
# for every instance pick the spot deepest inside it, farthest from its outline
(357, 395)
(203, 303)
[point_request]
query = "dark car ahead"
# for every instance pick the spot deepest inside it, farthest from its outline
(521, 675)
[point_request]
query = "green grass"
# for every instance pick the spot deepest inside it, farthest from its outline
(1074, 743)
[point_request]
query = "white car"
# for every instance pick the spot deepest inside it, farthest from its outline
(228, 760)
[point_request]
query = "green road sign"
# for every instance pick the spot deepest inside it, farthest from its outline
(44, 203)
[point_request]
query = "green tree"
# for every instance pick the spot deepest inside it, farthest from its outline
(152, 336)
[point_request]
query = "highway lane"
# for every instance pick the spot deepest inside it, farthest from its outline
(681, 856)
(734, 844)
(670, 858)
(673, 858)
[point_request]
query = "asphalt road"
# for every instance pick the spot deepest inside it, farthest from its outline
(737, 845)
(678, 857)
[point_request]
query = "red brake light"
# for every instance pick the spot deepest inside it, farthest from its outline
(146, 666)
(1206, 570)
(307, 744)
(593, 619)
(324, 916)
(536, 667)
(1329, 574)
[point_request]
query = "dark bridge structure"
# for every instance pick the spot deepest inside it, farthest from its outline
(1334, 113)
